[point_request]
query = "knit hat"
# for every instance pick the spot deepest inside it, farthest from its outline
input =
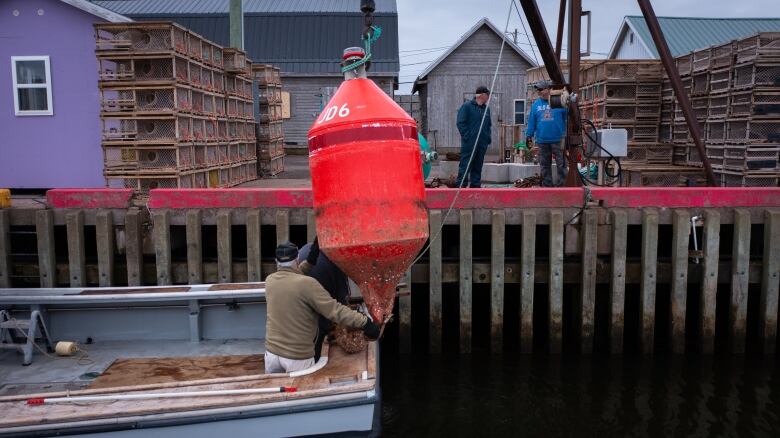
(286, 252)
(482, 89)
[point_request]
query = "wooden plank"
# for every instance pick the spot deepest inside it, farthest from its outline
(74, 223)
(5, 248)
(194, 220)
(47, 261)
(224, 247)
(435, 299)
(311, 226)
(498, 233)
(466, 244)
(740, 259)
(134, 252)
(104, 236)
(709, 281)
(647, 286)
(587, 298)
(253, 255)
(405, 316)
(770, 282)
(556, 281)
(681, 234)
(282, 226)
(162, 246)
(527, 282)
(617, 291)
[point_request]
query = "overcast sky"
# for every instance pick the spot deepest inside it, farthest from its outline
(437, 24)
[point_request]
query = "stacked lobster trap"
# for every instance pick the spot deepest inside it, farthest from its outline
(176, 109)
(270, 135)
(735, 93)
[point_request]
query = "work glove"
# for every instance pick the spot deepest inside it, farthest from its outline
(314, 252)
(371, 330)
(528, 141)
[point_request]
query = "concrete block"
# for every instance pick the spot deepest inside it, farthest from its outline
(495, 173)
(522, 170)
(446, 169)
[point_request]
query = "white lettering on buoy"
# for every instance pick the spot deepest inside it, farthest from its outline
(332, 112)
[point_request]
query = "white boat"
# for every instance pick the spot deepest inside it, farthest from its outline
(169, 361)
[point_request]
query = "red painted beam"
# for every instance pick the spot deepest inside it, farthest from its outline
(89, 198)
(485, 198)
(691, 197)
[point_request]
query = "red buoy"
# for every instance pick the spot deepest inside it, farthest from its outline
(367, 182)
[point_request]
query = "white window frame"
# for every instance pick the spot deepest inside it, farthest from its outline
(525, 108)
(47, 85)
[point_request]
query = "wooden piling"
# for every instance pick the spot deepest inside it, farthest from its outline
(587, 297)
(681, 233)
(104, 237)
(194, 247)
(224, 247)
(311, 226)
(47, 261)
(556, 281)
(162, 247)
(770, 282)
(498, 232)
(434, 281)
(134, 252)
(647, 286)
(405, 316)
(617, 291)
(740, 259)
(709, 281)
(5, 248)
(528, 248)
(466, 271)
(282, 226)
(77, 267)
(253, 255)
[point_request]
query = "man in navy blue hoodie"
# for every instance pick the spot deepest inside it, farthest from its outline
(470, 116)
(547, 126)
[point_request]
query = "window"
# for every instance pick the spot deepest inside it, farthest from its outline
(519, 108)
(631, 37)
(32, 85)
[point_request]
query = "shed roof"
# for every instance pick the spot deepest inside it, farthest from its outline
(97, 10)
(250, 6)
(686, 34)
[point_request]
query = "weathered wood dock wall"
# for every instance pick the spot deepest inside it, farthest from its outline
(542, 270)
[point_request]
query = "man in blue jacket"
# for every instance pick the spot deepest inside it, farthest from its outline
(547, 126)
(470, 116)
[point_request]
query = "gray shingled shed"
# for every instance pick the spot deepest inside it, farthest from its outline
(305, 38)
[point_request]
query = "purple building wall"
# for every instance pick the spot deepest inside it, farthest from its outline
(62, 150)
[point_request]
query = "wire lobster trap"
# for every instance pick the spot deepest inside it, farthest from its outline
(234, 61)
(146, 100)
(141, 37)
(129, 68)
(753, 74)
(765, 45)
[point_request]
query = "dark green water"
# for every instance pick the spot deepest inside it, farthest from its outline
(541, 395)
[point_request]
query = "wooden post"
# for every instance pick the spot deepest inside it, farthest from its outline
(104, 236)
(740, 260)
(587, 298)
(134, 252)
(709, 281)
(527, 282)
(282, 226)
(498, 231)
(194, 247)
(434, 252)
(770, 281)
(681, 234)
(466, 242)
(617, 289)
(162, 247)
(556, 281)
(5, 248)
(253, 255)
(647, 287)
(311, 226)
(224, 247)
(405, 316)
(47, 261)
(74, 222)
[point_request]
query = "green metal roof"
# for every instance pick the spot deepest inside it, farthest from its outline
(686, 34)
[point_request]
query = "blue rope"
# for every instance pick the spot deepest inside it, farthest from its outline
(374, 35)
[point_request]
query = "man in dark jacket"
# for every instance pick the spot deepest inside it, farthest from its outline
(470, 117)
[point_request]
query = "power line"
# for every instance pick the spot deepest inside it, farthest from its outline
(427, 48)
(525, 31)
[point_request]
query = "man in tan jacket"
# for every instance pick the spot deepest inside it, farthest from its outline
(294, 302)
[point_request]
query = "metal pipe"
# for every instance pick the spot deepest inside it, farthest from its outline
(674, 77)
(237, 24)
(559, 37)
(536, 23)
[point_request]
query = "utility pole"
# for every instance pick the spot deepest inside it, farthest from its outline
(237, 24)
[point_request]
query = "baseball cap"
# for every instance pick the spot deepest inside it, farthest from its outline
(286, 252)
(482, 89)
(541, 85)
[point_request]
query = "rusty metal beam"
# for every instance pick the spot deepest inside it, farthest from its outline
(559, 37)
(574, 129)
(543, 43)
(674, 77)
